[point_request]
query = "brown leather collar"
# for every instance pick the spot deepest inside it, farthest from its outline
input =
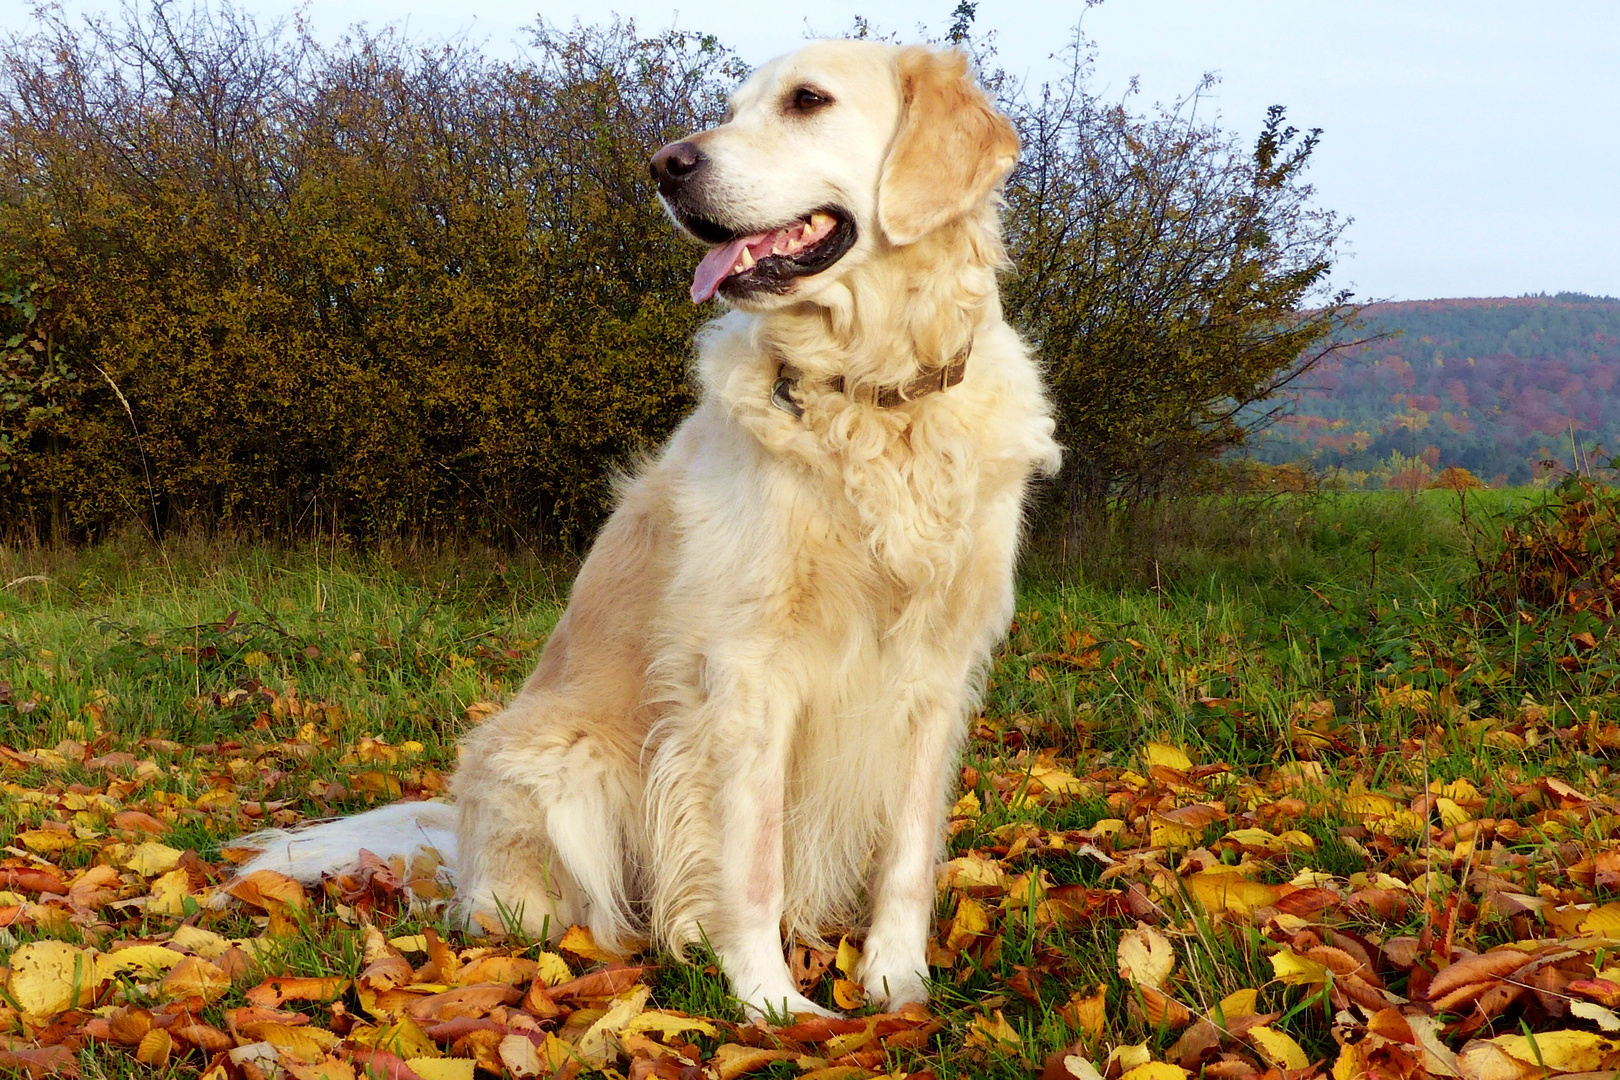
(884, 397)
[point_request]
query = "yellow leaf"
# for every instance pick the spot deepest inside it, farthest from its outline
(1369, 804)
(970, 921)
(1088, 1012)
(1451, 815)
(1173, 835)
(1166, 756)
(967, 806)
(1080, 1069)
(599, 1044)
(518, 1054)
(553, 970)
(1256, 838)
(307, 1044)
(1277, 1047)
(150, 960)
(848, 956)
(403, 1036)
(994, 1031)
(1401, 824)
(1481, 1060)
(169, 893)
(1239, 1003)
(204, 943)
(1458, 791)
(154, 1049)
(416, 943)
(974, 871)
(1056, 781)
(1560, 1051)
(1145, 956)
(152, 858)
(667, 1024)
(847, 994)
(1128, 1057)
(47, 841)
(195, 977)
(443, 1068)
(50, 977)
(1295, 970)
(1156, 1070)
(1591, 1010)
(578, 940)
(1602, 920)
(1229, 892)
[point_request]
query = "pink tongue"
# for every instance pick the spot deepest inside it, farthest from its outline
(716, 265)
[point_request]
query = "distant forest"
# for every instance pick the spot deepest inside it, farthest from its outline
(1494, 386)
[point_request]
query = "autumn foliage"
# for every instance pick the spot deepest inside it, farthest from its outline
(369, 289)
(378, 289)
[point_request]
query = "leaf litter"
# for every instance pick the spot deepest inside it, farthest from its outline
(1424, 882)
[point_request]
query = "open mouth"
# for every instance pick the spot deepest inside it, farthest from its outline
(768, 261)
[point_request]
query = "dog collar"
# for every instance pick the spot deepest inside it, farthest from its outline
(930, 381)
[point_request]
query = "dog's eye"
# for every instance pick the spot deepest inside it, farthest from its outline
(806, 100)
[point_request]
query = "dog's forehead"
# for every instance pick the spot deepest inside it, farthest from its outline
(829, 66)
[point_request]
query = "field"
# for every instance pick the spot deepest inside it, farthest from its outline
(1275, 787)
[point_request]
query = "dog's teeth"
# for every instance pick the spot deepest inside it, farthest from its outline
(804, 233)
(747, 259)
(820, 221)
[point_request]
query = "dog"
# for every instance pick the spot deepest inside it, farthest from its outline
(747, 722)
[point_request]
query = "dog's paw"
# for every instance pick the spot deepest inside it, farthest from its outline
(890, 983)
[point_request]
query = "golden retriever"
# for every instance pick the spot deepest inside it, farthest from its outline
(747, 722)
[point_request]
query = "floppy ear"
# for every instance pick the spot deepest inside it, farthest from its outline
(951, 149)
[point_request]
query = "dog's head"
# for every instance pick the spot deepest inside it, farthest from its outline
(831, 156)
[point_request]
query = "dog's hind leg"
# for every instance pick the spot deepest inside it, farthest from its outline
(549, 825)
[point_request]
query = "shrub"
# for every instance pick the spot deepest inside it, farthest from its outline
(402, 291)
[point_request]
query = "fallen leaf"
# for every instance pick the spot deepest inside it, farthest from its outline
(51, 977)
(1145, 956)
(1277, 1047)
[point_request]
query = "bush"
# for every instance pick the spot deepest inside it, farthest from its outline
(399, 291)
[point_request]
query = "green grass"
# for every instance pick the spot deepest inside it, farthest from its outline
(1210, 624)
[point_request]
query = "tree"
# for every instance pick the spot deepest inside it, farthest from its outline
(1173, 282)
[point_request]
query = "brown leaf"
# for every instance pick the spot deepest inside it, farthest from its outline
(498, 969)
(129, 1026)
(465, 1001)
(381, 1063)
(1162, 1010)
(1485, 968)
(46, 1061)
(272, 992)
(613, 980)
(1087, 1012)
(266, 888)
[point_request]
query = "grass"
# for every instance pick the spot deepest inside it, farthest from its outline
(1302, 652)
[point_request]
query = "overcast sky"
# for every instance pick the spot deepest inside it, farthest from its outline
(1475, 143)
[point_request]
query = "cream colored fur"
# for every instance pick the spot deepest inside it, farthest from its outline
(747, 722)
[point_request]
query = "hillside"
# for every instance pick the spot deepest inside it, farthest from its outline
(1493, 385)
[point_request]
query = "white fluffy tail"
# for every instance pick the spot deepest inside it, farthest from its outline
(334, 846)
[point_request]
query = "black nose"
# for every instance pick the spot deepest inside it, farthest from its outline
(672, 165)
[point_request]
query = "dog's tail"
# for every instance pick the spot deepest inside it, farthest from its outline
(332, 847)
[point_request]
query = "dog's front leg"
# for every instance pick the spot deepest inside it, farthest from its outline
(894, 962)
(752, 778)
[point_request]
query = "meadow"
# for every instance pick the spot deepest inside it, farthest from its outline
(1271, 786)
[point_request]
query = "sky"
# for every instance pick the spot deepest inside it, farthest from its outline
(1475, 144)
